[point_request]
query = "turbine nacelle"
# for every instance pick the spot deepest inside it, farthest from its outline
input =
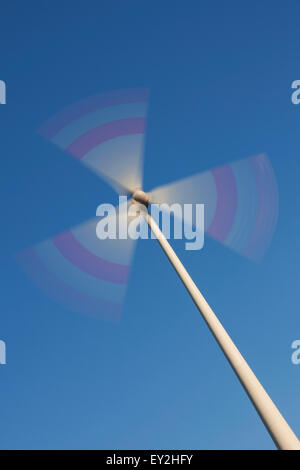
(139, 196)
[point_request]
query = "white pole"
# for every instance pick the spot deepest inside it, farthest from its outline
(281, 433)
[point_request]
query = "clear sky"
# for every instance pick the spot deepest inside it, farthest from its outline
(220, 75)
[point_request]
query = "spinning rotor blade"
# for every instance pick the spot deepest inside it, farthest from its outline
(106, 133)
(82, 272)
(240, 203)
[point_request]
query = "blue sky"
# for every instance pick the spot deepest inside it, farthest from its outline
(220, 77)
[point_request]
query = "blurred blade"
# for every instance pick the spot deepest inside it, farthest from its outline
(106, 133)
(82, 272)
(241, 203)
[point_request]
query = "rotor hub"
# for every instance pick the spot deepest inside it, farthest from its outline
(141, 197)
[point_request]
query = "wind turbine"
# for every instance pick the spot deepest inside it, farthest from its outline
(105, 132)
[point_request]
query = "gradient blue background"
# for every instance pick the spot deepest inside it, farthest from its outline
(220, 76)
